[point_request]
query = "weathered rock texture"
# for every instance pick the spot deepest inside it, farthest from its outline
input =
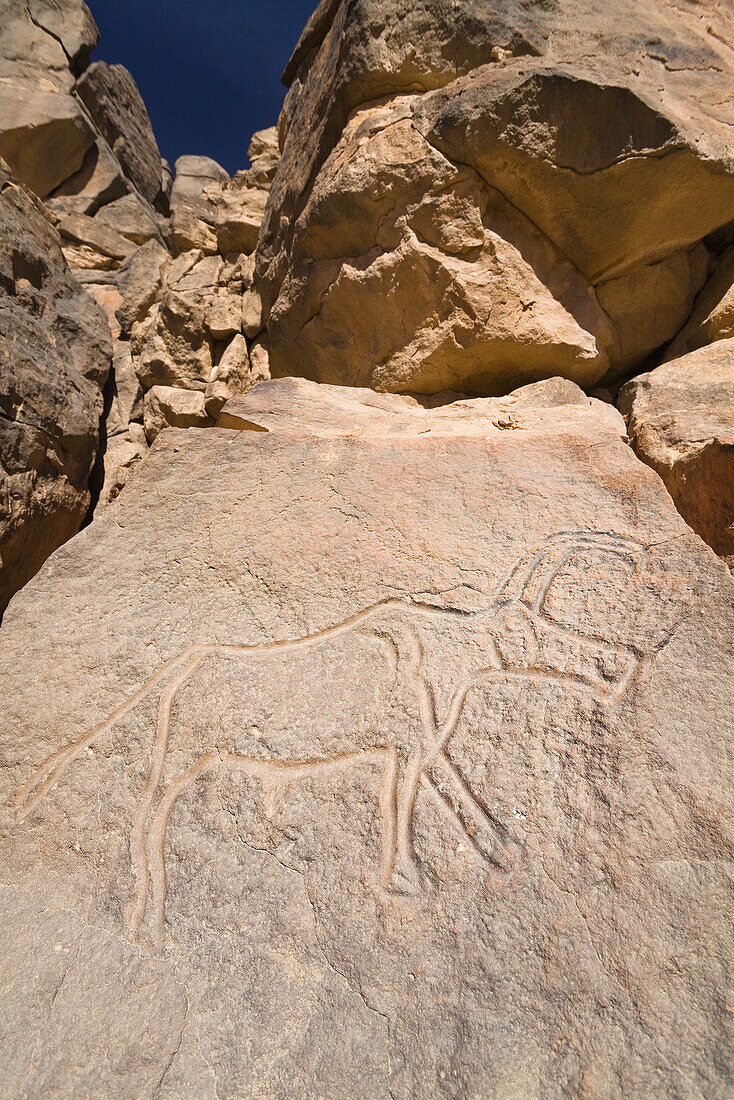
(389, 763)
(681, 422)
(54, 359)
(468, 198)
(79, 136)
(112, 98)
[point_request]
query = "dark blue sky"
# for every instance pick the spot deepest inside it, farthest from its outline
(208, 70)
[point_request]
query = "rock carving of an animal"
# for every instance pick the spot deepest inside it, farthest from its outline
(513, 638)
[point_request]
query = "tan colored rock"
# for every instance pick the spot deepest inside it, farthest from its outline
(30, 55)
(131, 217)
(231, 375)
(181, 266)
(681, 422)
(713, 316)
(175, 350)
(263, 153)
(296, 404)
(100, 180)
(54, 359)
(407, 751)
(109, 298)
(201, 279)
(122, 454)
(260, 358)
(80, 257)
(252, 312)
(615, 156)
(111, 96)
(225, 317)
(471, 296)
(189, 232)
(648, 304)
(191, 175)
(96, 235)
(169, 406)
(577, 191)
(44, 136)
(127, 394)
(71, 23)
(140, 282)
(240, 211)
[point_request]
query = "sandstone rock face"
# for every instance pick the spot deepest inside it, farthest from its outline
(170, 405)
(681, 422)
(713, 314)
(100, 180)
(132, 218)
(71, 23)
(398, 776)
(174, 350)
(192, 175)
(525, 190)
(111, 96)
(54, 360)
(43, 136)
(44, 133)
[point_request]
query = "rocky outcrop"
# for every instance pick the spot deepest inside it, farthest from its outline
(681, 422)
(400, 751)
(44, 133)
(515, 192)
(185, 318)
(111, 96)
(54, 359)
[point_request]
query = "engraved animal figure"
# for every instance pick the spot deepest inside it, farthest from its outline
(514, 638)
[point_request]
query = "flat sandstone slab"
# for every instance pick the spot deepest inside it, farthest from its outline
(383, 766)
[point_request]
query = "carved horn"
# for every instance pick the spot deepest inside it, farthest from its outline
(530, 579)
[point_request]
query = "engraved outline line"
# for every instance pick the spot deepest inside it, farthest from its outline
(435, 737)
(298, 769)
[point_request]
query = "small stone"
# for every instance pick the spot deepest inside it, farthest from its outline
(260, 358)
(89, 231)
(225, 317)
(169, 406)
(131, 217)
(252, 312)
(189, 232)
(230, 376)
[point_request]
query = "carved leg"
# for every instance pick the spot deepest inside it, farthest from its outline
(155, 847)
(492, 840)
(138, 840)
(45, 776)
(405, 875)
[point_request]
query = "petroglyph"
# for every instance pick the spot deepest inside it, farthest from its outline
(512, 639)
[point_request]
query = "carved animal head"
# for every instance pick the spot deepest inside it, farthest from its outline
(526, 637)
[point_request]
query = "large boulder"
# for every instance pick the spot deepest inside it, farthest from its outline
(403, 773)
(514, 191)
(681, 422)
(54, 358)
(71, 23)
(174, 350)
(44, 135)
(111, 96)
(191, 175)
